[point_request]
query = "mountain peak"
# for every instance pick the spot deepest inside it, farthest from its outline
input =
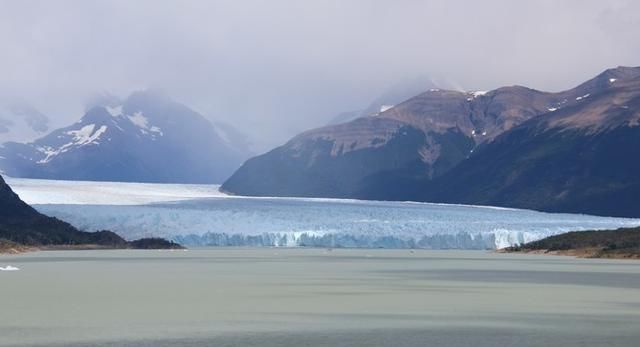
(130, 140)
(98, 114)
(425, 137)
(149, 96)
(102, 99)
(624, 71)
(618, 74)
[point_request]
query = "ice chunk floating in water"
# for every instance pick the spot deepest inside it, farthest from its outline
(214, 219)
(9, 268)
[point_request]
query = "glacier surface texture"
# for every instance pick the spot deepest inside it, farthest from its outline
(199, 215)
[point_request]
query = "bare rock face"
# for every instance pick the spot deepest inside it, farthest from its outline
(424, 136)
(579, 158)
(438, 135)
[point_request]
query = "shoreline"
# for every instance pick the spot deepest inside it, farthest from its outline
(622, 243)
(581, 253)
(12, 248)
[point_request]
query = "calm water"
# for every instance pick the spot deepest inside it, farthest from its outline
(315, 297)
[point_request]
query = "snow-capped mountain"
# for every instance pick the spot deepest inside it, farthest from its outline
(146, 138)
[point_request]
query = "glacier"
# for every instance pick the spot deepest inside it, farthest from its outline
(200, 215)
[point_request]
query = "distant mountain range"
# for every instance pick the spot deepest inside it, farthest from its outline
(146, 138)
(392, 96)
(572, 151)
(20, 121)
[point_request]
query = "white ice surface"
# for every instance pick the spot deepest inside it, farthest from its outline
(201, 215)
(9, 268)
(35, 191)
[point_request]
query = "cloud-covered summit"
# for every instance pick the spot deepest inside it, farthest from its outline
(274, 68)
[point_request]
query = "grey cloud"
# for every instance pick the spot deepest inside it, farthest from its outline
(274, 68)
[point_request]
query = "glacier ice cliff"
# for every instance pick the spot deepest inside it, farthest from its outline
(283, 222)
(199, 215)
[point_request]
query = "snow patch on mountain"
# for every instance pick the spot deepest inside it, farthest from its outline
(384, 108)
(142, 122)
(476, 94)
(141, 128)
(479, 93)
(115, 111)
(139, 120)
(86, 135)
(82, 137)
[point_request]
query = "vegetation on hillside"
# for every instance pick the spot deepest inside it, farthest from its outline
(620, 243)
(23, 228)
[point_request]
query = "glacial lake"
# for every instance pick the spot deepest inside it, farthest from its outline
(316, 297)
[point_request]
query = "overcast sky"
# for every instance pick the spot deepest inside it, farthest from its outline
(274, 68)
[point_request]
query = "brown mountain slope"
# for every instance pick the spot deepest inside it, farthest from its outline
(398, 153)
